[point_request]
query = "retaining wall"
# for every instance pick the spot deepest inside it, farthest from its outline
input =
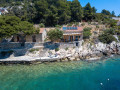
(17, 45)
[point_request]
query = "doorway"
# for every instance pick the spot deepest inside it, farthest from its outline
(71, 38)
(18, 39)
(34, 38)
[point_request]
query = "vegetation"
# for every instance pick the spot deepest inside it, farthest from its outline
(66, 48)
(54, 12)
(106, 38)
(56, 49)
(33, 50)
(86, 33)
(42, 25)
(55, 34)
(12, 25)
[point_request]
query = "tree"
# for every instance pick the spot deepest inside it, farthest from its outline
(55, 34)
(106, 12)
(113, 14)
(88, 12)
(94, 9)
(11, 25)
(42, 11)
(119, 15)
(76, 11)
(63, 11)
(86, 33)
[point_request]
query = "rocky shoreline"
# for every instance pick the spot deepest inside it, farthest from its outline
(86, 52)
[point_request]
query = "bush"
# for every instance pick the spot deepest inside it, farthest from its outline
(76, 23)
(97, 26)
(66, 48)
(56, 49)
(83, 24)
(110, 31)
(57, 26)
(70, 24)
(89, 23)
(107, 38)
(33, 50)
(41, 25)
(86, 33)
(55, 35)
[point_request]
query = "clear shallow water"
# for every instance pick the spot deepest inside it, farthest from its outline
(99, 75)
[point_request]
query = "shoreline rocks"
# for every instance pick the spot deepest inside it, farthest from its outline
(85, 52)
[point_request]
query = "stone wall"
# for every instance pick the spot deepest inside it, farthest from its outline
(17, 45)
(67, 45)
(59, 45)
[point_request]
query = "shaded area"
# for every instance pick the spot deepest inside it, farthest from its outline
(15, 49)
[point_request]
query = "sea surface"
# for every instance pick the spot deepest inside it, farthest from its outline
(77, 75)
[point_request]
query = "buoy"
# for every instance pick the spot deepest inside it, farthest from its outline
(101, 83)
(108, 79)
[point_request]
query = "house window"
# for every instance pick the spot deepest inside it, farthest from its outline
(76, 37)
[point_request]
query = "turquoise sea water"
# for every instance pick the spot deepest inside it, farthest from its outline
(99, 75)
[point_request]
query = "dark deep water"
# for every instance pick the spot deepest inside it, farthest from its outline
(98, 75)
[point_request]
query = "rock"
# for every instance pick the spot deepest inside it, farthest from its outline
(99, 54)
(64, 60)
(72, 58)
(77, 59)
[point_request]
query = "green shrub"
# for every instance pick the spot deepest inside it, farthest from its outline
(66, 48)
(97, 26)
(33, 50)
(83, 24)
(89, 23)
(56, 49)
(41, 25)
(74, 47)
(107, 38)
(86, 33)
(49, 52)
(76, 23)
(110, 31)
(57, 26)
(55, 35)
(70, 24)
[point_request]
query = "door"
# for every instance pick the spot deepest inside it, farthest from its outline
(71, 38)
(34, 38)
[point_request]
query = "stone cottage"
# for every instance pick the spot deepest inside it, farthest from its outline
(72, 33)
(33, 38)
